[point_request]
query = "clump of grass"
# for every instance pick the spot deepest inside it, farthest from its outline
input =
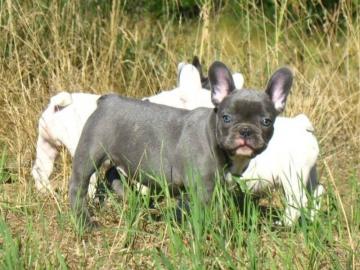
(10, 249)
(4, 173)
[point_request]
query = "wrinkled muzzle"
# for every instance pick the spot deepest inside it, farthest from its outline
(243, 140)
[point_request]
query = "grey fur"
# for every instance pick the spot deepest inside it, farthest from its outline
(158, 140)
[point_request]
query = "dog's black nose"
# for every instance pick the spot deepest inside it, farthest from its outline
(245, 132)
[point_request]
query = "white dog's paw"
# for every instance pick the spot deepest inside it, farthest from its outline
(319, 191)
(278, 223)
(284, 222)
(43, 187)
(92, 187)
(288, 218)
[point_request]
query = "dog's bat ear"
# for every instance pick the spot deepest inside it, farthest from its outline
(196, 63)
(221, 82)
(204, 80)
(189, 77)
(278, 87)
(179, 69)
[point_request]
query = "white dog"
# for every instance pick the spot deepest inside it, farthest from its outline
(289, 159)
(290, 162)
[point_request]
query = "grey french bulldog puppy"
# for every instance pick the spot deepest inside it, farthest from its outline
(158, 140)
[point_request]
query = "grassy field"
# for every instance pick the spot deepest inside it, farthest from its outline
(48, 46)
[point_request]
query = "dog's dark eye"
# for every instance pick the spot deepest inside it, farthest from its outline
(226, 118)
(266, 122)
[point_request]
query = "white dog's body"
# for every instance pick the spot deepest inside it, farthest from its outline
(284, 161)
(288, 160)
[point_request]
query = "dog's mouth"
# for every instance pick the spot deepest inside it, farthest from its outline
(248, 147)
(243, 148)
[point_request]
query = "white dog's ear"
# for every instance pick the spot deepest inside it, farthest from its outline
(196, 63)
(61, 99)
(189, 78)
(204, 80)
(221, 81)
(179, 68)
(238, 80)
(278, 87)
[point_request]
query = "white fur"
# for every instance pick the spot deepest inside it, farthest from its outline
(288, 160)
(238, 80)
(190, 94)
(182, 96)
(60, 124)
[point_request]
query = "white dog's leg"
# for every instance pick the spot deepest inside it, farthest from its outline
(44, 163)
(315, 190)
(295, 194)
(92, 186)
(317, 197)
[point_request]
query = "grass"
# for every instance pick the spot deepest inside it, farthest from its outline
(48, 46)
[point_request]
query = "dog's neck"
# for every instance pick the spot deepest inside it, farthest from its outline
(238, 165)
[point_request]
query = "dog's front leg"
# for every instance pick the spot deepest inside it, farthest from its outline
(182, 207)
(200, 191)
(44, 163)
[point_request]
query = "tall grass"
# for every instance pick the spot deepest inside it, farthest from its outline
(100, 47)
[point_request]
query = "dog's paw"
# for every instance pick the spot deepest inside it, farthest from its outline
(283, 222)
(182, 210)
(278, 223)
(43, 187)
(94, 225)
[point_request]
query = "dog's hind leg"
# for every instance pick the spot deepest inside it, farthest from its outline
(86, 162)
(44, 163)
(315, 191)
(295, 193)
(114, 180)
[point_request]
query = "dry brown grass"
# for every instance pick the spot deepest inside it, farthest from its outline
(48, 48)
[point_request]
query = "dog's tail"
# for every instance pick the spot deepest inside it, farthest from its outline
(60, 100)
